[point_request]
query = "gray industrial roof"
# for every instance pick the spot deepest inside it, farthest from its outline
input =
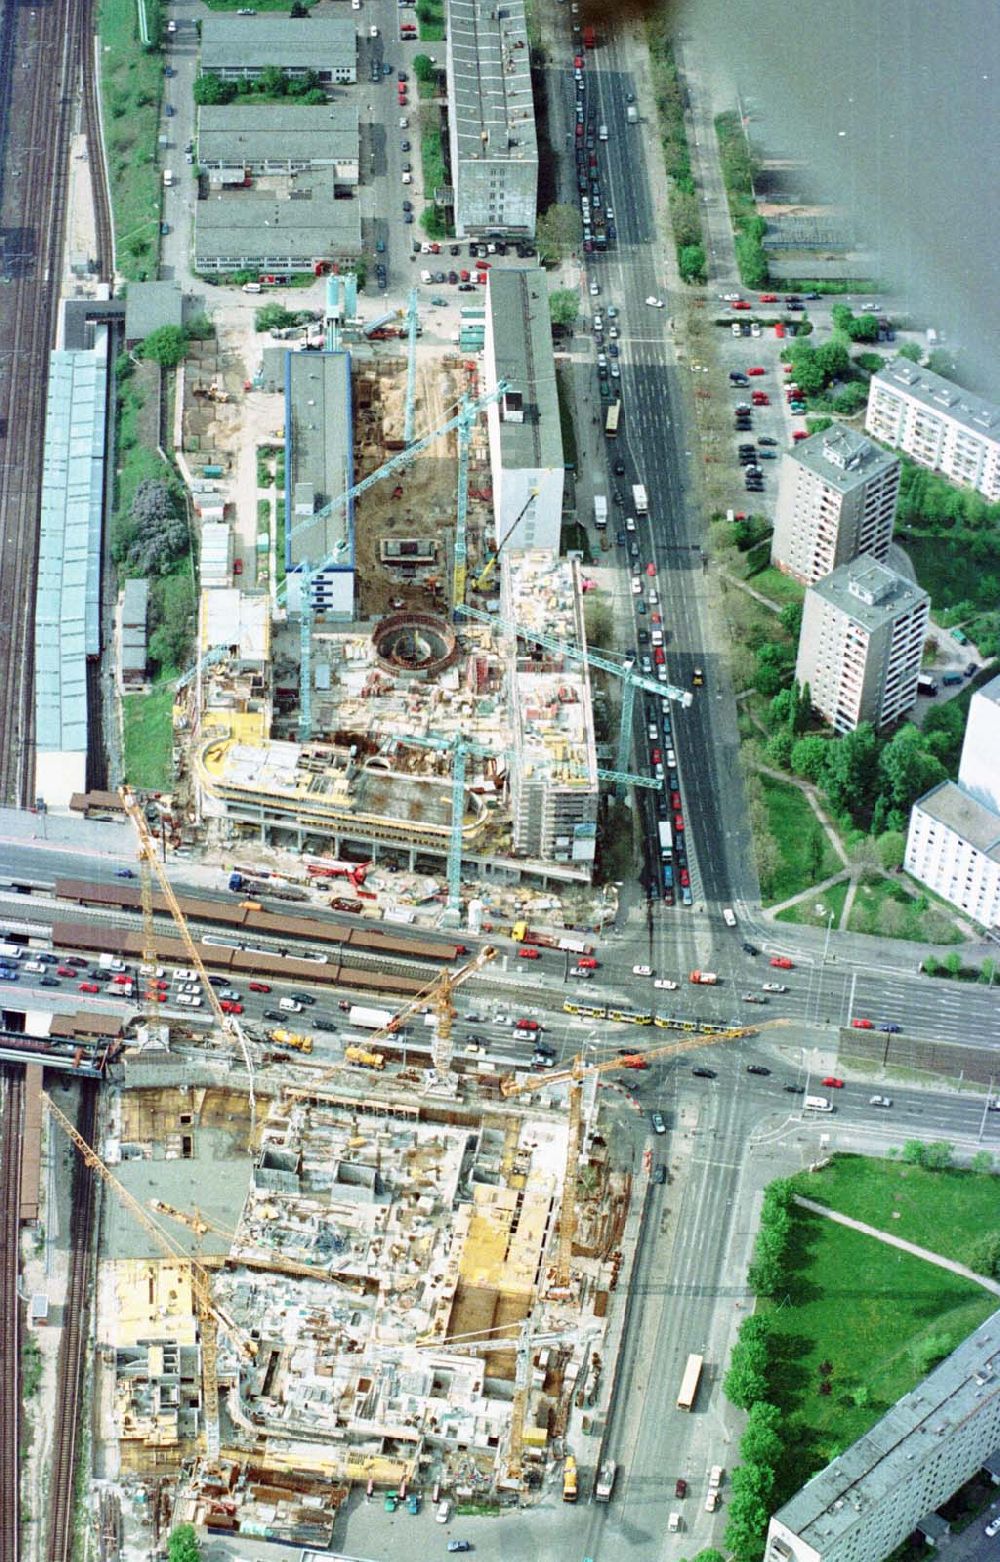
(253, 43)
(135, 601)
(872, 593)
(305, 225)
(319, 442)
(842, 458)
(67, 602)
(282, 132)
(941, 395)
(874, 1467)
(490, 87)
(150, 305)
(518, 300)
(957, 810)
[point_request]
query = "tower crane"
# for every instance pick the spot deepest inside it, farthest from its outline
(211, 1316)
(574, 1076)
(411, 366)
(479, 584)
(631, 680)
(438, 995)
(463, 420)
(148, 858)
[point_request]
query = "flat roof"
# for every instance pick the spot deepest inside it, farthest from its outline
(150, 305)
(881, 1462)
(940, 395)
(320, 458)
(302, 221)
(518, 300)
(490, 99)
(255, 42)
(67, 596)
(870, 592)
(280, 132)
(843, 458)
(950, 805)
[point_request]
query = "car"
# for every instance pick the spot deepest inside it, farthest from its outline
(782, 963)
(794, 1090)
(619, 468)
(659, 1174)
(168, 70)
(737, 377)
(993, 1528)
(459, 1545)
(740, 303)
(259, 987)
(774, 987)
(526, 1025)
(47, 981)
(756, 369)
(860, 1024)
(680, 1487)
(642, 970)
(750, 949)
(595, 288)
(832, 1082)
(704, 1073)
(637, 589)
(886, 1101)
(658, 1122)
(757, 1068)
(442, 1513)
(389, 1502)
(528, 954)
(654, 302)
(752, 998)
(765, 439)
(685, 878)
(65, 970)
(891, 1030)
(306, 998)
(665, 984)
(407, 206)
(274, 1014)
(189, 1000)
(587, 963)
(229, 1007)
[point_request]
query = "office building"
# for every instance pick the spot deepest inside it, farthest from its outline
(526, 451)
(870, 1498)
(494, 148)
(938, 424)
(862, 638)
(319, 467)
(836, 500)
(241, 140)
(953, 844)
(241, 48)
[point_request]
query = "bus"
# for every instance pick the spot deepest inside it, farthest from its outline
(611, 418)
(689, 1384)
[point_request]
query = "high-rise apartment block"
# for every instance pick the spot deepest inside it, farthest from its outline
(494, 147)
(836, 500)
(863, 629)
(938, 424)
(953, 845)
(874, 1494)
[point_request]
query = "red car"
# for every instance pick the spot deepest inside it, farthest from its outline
(528, 954)
(756, 369)
(587, 963)
(862, 1025)
(833, 1084)
(656, 618)
(578, 62)
(782, 963)
(122, 979)
(740, 303)
(156, 985)
(681, 1485)
(229, 1007)
(659, 655)
(65, 970)
(259, 987)
(526, 1025)
(779, 329)
(679, 823)
(154, 997)
(656, 756)
(799, 433)
(463, 276)
(651, 570)
(685, 879)
(769, 298)
(89, 987)
(675, 799)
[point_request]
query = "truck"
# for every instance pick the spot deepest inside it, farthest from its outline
(292, 1039)
(666, 840)
(521, 933)
(370, 1019)
(362, 1058)
(632, 114)
(111, 963)
(703, 979)
(639, 499)
(570, 1489)
(329, 868)
(590, 37)
(236, 882)
(605, 1484)
(926, 686)
(600, 511)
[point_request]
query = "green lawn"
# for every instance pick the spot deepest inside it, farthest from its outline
(814, 910)
(432, 160)
(131, 89)
(887, 909)
(806, 855)
(778, 588)
(879, 1317)
(943, 1211)
(148, 728)
(430, 19)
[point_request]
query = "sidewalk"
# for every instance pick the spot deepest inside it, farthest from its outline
(899, 1242)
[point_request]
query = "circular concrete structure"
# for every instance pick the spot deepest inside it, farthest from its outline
(418, 645)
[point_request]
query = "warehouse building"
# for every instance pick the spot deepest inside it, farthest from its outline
(300, 229)
(241, 48)
(241, 140)
(494, 147)
(318, 469)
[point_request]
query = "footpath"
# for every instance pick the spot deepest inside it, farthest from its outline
(950, 1264)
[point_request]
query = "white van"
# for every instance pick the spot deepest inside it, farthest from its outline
(817, 1104)
(729, 916)
(290, 1006)
(251, 287)
(602, 133)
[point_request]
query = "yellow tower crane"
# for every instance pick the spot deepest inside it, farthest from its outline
(149, 860)
(574, 1075)
(211, 1315)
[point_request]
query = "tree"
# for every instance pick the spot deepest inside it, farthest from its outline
(778, 749)
(298, 10)
(939, 1155)
(210, 89)
(272, 82)
(748, 1517)
(156, 534)
(424, 68)
(745, 1383)
(165, 346)
(851, 770)
(906, 770)
(557, 232)
(891, 848)
(564, 307)
(864, 859)
(981, 1162)
(984, 1256)
(767, 856)
(790, 619)
(183, 1544)
(910, 350)
(691, 262)
(598, 623)
(761, 1442)
(774, 668)
(809, 759)
(850, 399)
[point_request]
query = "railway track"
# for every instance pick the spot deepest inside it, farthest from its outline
(11, 1320)
(42, 52)
(59, 1545)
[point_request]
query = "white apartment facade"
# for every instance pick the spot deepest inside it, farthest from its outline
(938, 424)
(953, 843)
(863, 629)
(836, 500)
(863, 1504)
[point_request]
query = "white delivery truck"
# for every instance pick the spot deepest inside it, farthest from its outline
(666, 840)
(369, 1019)
(600, 511)
(639, 499)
